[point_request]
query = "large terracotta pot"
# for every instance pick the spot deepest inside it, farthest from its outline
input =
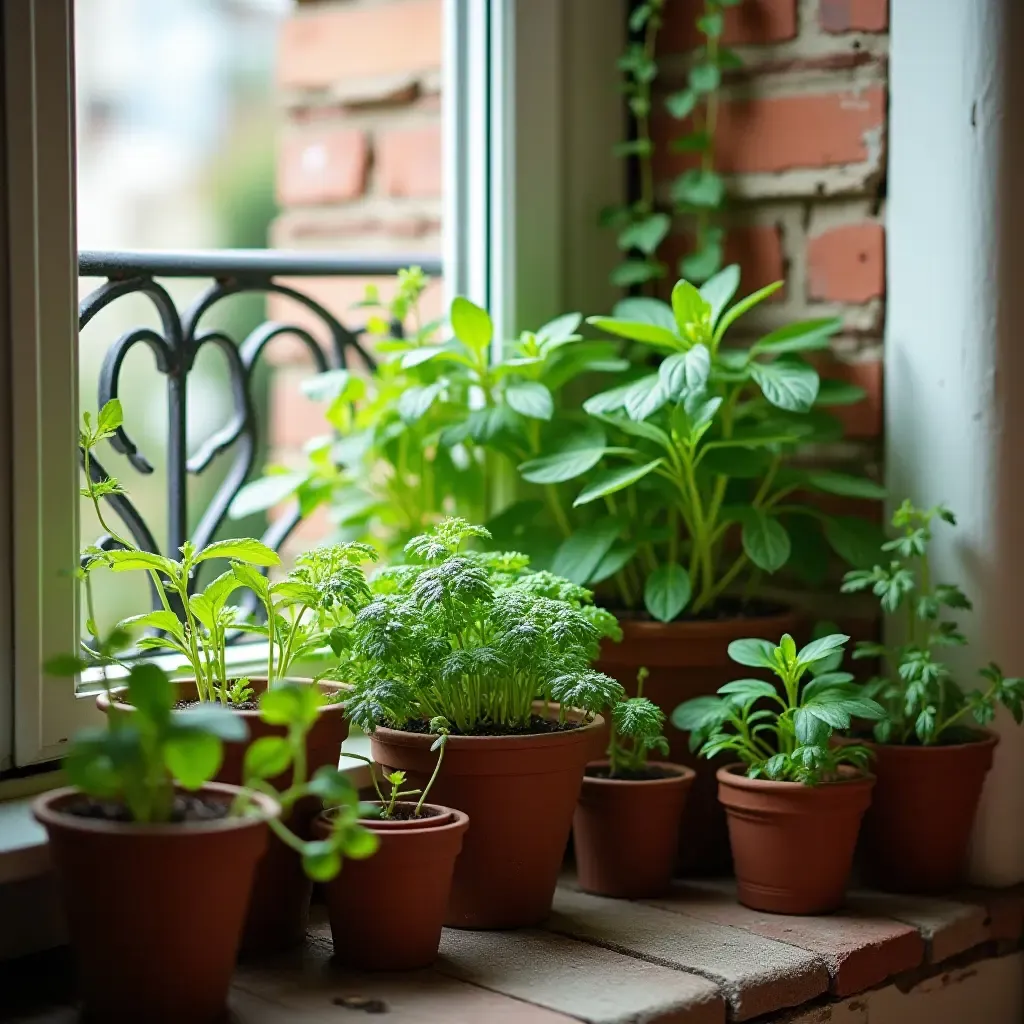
(626, 833)
(155, 912)
(690, 659)
(386, 912)
(519, 793)
(279, 910)
(793, 844)
(916, 833)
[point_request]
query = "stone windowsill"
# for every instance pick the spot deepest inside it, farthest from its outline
(695, 957)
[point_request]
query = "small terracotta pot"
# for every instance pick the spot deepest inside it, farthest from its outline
(520, 793)
(387, 911)
(916, 834)
(626, 833)
(155, 912)
(279, 910)
(689, 659)
(793, 844)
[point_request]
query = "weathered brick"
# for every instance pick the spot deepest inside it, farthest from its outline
(860, 951)
(294, 418)
(408, 161)
(756, 975)
(863, 419)
(326, 165)
(781, 133)
(321, 45)
(854, 15)
(757, 248)
(749, 23)
(847, 263)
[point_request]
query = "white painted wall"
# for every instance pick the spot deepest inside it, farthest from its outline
(955, 339)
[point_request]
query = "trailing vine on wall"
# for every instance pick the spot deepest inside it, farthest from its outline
(698, 194)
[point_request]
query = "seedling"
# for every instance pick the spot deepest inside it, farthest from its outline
(923, 703)
(789, 741)
(636, 730)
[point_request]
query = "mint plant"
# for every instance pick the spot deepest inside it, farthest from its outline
(782, 735)
(472, 638)
(636, 731)
(923, 703)
(699, 449)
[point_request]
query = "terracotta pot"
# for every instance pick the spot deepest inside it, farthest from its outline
(916, 834)
(793, 844)
(154, 912)
(386, 912)
(690, 659)
(626, 833)
(279, 910)
(519, 793)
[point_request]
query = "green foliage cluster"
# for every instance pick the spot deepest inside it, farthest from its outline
(637, 726)
(686, 452)
(923, 702)
(783, 732)
(471, 637)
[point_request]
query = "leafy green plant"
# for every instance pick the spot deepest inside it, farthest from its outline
(473, 638)
(923, 702)
(636, 730)
(396, 779)
(783, 736)
(686, 455)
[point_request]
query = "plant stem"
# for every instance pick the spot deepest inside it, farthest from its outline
(426, 788)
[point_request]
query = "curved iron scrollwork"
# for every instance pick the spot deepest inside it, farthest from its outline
(176, 344)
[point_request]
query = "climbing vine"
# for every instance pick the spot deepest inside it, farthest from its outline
(698, 193)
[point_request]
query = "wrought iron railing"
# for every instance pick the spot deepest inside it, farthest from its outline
(183, 332)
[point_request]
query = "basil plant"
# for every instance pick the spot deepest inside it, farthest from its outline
(697, 447)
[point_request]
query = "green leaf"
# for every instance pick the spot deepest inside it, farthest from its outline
(702, 264)
(688, 306)
(327, 386)
(243, 549)
(579, 454)
(267, 757)
(360, 843)
(126, 561)
(643, 310)
(607, 401)
(579, 555)
(667, 592)
(718, 291)
(252, 578)
(560, 330)
(811, 731)
(705, 78)
(753, 653)
(838, 392)
(632, 147)
(681, 104)
(415, 402)
(531, 399)
(821, 648)
(646, 235)
(686, 372)
(471, 324)
(615, 480)
(637, 330)
(193, 757)
(633, 272)
(748, 690)
(765, 541)
(65, 665)
(855, 540)
(745, 305)
(333, 787)
(700, 713)
(165, 621)
(616, 559)
(694, 142)
(787, 384)
(798, 337)
(742, 463)
(704, 189)
(150, 692)
(110, 417)
(645, 397)
(266, 492)
(215, 719)
(711, 24)
(320, 860)
(292, 704)
(846, 485)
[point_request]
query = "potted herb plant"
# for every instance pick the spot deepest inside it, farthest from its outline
(626, 826)
(155, 862)
(324, 590)
(931, 748)
(793, 791)
(686, 496)
(503, 656)
(399, 896)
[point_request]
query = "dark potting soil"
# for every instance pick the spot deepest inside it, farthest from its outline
(188, 807)
(538, 727)
(723, 610)
(646, 774)
(409, 814)
(194, 702)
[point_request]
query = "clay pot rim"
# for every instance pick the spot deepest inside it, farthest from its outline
(728, 775)
(46, 811)
(521, 741)
(450, 819)
(986, 738)
(683, 775)
(103, 701)
(696, 629)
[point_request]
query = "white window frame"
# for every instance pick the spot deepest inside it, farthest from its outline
(529, 91)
